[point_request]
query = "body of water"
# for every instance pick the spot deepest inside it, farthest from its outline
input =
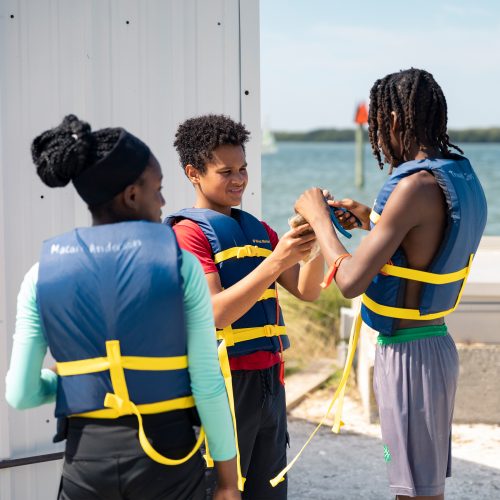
(298, 166)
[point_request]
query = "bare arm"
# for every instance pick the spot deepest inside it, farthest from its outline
(406, 208)
(232, 303)
(304, 281)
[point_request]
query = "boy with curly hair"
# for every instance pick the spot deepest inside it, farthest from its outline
(243, 259)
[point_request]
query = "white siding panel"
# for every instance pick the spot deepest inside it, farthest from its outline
(250, 99)
(34, 482)
(144, 65)
(5, 482)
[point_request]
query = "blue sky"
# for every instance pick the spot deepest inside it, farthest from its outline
(320, 57)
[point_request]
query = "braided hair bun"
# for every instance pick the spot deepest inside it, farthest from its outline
(61, 153)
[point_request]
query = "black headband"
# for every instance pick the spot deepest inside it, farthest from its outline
(120, 168)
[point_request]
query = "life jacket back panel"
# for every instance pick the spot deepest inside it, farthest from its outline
(114, 282)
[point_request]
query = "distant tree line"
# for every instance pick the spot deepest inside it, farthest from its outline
(491, 134)
(475, 135)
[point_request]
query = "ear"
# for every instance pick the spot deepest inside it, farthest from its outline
(394, 122)
(130, 196)
(192, 174)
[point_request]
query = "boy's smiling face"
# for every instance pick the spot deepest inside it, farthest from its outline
(223, 183)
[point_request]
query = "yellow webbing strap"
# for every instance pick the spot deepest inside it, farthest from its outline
(338, 396)
(144, 409)
(226, 373)
(208, 458)
(119, 401)
(93, 365)
(127, 408)
(234, 335)
(424, 276)
(270, 293)
(241, 252)
(414, 314)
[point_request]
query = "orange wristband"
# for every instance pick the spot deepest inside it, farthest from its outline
(332, 271)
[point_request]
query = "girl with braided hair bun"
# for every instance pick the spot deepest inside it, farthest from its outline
(127, 316)
(107, 168)
(424, 229)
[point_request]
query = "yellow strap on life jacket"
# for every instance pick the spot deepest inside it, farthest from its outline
(234, 335)
(93, 365)
(270, 293)
(226, 373)
(414, 314)
(338, 396)
(145, 409)
(241, 252)
(208, 458)
(424, 276)
(119, 401)
(127, 408)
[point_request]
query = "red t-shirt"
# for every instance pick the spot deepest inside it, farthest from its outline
(191, 238)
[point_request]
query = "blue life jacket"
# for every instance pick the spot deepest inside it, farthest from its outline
(239, 244)
(445, 277)
(111, 303)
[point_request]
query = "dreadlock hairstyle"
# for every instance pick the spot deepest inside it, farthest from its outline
(197, 138)
(419, 102)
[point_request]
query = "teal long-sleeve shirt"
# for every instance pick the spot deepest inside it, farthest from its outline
(29, 385)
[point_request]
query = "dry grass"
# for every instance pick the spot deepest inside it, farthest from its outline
(311, 326)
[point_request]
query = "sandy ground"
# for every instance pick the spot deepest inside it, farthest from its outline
(351, 466)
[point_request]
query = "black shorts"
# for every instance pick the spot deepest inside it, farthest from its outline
(262, 430)
(104, 460)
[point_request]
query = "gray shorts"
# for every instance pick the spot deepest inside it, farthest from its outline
(415, 384)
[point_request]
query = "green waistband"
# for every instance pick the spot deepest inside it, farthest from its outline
(409, 334)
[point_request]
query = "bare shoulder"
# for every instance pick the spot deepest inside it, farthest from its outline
(418, 181)
(420, 189)
(417, 200)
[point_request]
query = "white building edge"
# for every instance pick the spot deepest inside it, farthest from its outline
(143, 65)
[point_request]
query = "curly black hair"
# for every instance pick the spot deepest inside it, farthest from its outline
(418, 100)
(197, 138)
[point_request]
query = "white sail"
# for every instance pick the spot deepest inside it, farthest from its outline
(268, 145)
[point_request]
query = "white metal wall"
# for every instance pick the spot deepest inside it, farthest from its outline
(144, 65)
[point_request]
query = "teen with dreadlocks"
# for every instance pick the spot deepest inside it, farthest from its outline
(426, 225)
(243, 259)
(127, 316)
